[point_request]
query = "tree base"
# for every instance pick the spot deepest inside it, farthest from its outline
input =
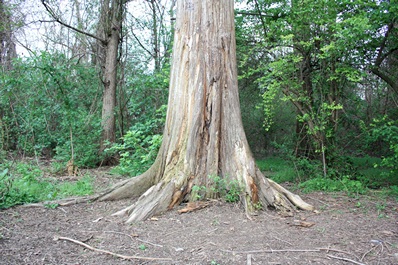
(163, 196)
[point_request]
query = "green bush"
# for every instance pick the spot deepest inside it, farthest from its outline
(224, 188)
(394, 191)
(140, 146)
(278, 169)
(386, 130)
(228, 189)
(333, 185)
(49, 103)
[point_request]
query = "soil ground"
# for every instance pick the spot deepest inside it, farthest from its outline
(345, 230)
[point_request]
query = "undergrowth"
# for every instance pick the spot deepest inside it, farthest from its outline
(332, 185)
(357, 177)
(24, 183)
(224, 188)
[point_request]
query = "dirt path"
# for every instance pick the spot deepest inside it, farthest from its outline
(357, 231)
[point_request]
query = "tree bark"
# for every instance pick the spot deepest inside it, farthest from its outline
(113, 32)
(7, 44)
(203, 134)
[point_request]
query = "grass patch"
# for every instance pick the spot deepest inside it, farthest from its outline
(309, 174)
(278, 169)
(371, 176)
(332, 185)
(24, 183)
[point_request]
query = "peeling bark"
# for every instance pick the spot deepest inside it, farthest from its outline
(203, 134)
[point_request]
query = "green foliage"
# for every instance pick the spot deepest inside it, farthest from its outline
(198, 191)
(393, 191)
(142, 247)
(225, 188)
(371, 176)
(25, 184)
(333, 185)
(51, 205)
(229, 190)
(139, 146)
(278, 169)
(50, 103)
(313, 56)
(355, 173)
(386, 130)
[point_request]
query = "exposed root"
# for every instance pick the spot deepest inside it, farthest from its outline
(129, 188)
(271, 194)
(156, 198)
(293, 198)
(193, 206)
(154, 201)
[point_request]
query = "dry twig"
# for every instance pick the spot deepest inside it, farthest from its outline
(106, 251)
(367, 252)
(345, 259)
(249, 259)
(339, 251)
(271, 251)
(297, 250)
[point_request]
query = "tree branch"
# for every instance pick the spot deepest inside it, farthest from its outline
(386, 78)
(257, 14)
(380, 57)
(106, 251)
(57, 19)
(142, 45)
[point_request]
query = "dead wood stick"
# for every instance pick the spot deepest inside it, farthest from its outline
(288, 250)
(367, 252)
(345, 259)
(150, 243)
(271, 251)
(132, 238)
(106, 251)
(337, 250)
(249, 259)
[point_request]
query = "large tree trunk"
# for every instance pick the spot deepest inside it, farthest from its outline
(203, 134)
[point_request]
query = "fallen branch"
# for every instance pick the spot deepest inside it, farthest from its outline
(149, 243)
(339, 251)
(345, 259)
(271, 251)
(249, 259)
(134, 237)
(296, 250)
(63, 202)
(106, 251)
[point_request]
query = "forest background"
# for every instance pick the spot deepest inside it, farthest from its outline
(318, 90)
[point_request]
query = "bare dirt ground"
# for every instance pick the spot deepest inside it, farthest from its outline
(344, 230)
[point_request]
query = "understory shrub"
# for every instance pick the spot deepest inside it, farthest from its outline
(139, 146)
(385, 130)
(332, 185)
(224, 188)
(50, 103)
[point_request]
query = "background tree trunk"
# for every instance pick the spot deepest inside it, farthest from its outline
(203, 134)
(108, 38)
(113, 33)
(7, 44)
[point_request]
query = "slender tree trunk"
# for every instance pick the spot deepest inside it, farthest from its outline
(106, 49)
(113, 32)
(203, 134)
(7, 44)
